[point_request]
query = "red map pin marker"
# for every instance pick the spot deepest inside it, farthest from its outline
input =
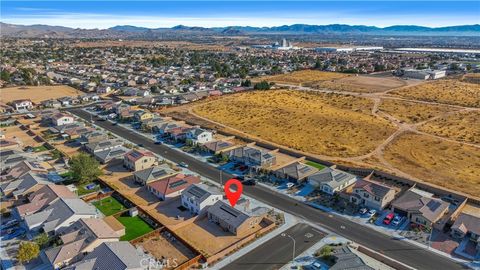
(233, 196)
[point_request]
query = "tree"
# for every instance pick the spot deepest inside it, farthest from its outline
(5, 76)
(263, 85)
(42, 240)
(246, 83)
(28, 251)
(85, 168)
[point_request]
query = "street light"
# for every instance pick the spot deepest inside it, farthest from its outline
(293, 239)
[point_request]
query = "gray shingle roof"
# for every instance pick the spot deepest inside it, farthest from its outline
(430, 208)
(111, 256)
(332, 177)
(346, 260)
(58, 212)
(228, 214)
(154, 173)
(199, 192)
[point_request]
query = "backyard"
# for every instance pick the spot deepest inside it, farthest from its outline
(109, 206)
(134, 227)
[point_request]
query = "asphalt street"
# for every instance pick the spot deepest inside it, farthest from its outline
(278, 251)
(402, 251)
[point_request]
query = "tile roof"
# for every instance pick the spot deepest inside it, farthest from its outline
(467, 223)
(174, 183)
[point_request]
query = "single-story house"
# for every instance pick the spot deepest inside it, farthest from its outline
(232, 219)
(216, 147)
(172, 186)
(110, 154)
(420, 207)
(61, 213)
(467, 225)
(78, 239)
(331, 180)
(151, 174)
(119, 255)
(295, 172)
(103, 145)
(41, 198)
(24, 185)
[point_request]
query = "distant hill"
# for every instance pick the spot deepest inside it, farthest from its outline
(126, 31)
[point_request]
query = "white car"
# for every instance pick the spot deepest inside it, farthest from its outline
(371, 213)
(397, 220)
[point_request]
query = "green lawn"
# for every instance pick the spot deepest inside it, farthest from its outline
(134, 227)
(109, 206)
(40, 148)
(315, 164)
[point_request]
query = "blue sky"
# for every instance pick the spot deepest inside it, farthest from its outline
(97, 14)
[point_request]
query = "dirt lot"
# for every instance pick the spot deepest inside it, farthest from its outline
(412, 112)
(21, 136)
(457, 167)
(304, 77)
(208, 237)
(461, 126)
(38, 93)
(362, 84)
(161, 247)
(452, 92)
(326, 124)
(471, 78)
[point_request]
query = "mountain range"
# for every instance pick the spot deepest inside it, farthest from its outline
(129, 31)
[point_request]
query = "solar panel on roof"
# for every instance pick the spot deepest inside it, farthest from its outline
(197, 192)
(15, 159)
(232, 211)
(6, 153)
(117, 152)
(177, 183)
(159, 173)
(135, 154)
(433, 205)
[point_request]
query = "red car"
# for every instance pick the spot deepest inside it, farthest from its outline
(388, 218)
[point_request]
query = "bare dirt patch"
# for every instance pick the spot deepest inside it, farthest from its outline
(452, 92)
(412, 112)
(451, 165)
(38, 94)
(471, 78)
(304, 77)
(362, 84)
(208, 237)
(161, 247)
(326, 124)
(461, 126)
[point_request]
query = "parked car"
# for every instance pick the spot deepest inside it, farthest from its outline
(183, 164)
(397, 220)
(16, 233)
(388, 218)
(363, 211)
(9, 224)
(371, 213)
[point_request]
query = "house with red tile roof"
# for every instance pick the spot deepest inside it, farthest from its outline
(172, 186)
